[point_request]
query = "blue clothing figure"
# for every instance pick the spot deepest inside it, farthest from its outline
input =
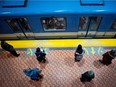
(34, 73)
(40, 55)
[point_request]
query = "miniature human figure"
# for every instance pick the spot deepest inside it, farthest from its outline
(83, 22)
(53, 23)
(108, 56)
(9, 48)
(40, 55)
(60, 23)
(34, 74)
(79, 53)
(87, 76)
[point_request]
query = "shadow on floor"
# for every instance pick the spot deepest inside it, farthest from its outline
(6, 54)
(36, 83)
(90, 84)
(69, 61)
(97, 64)
(81, 62)
(43, 65)
(77, 83)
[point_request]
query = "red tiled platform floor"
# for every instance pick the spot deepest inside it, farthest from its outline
(59, 71)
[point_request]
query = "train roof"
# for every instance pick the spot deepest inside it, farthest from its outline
(41, 7)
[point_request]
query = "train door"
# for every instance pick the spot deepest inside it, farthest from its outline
(112, 30)
(13, 23)
(83, 26)
(88, 26)
(6, 32)
(94, 23)
(26, 28)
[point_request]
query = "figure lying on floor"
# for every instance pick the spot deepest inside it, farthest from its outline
(34, 74)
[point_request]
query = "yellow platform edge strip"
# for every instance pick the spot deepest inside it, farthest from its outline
(63, 43)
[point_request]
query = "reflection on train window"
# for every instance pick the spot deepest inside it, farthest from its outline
(24, 23)
(13, 24)
(83, 25)
(113, 27)
(89, 22)
(94, 23)
(53, 23)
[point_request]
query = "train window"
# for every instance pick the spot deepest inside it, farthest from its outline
(13, 24)
(24, 23)
(94, 23)
(53, 23)
(113, 27)
(83, 25)
(89, 22)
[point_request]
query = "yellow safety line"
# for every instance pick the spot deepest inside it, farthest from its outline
(63, 43)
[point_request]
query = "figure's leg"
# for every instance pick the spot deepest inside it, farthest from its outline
(44, 60)
(75, 58)
(13, 52)
(39, 59)
(82, 79)
(101, 61)
(40, 76)
(35, 79)
(108, 63)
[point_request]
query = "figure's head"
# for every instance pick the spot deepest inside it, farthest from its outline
(38, 49)
(2, 41)
(53, 19)
(113, 53)
(79, 49)
(90, 72)
(79, 46)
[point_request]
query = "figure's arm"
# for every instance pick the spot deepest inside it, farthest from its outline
(85, 74)
(44, 52)
(105, 54)
(83, 52)
(8, 45)
(93, 76)
(77, 53)
(36, 53)
(38, 71)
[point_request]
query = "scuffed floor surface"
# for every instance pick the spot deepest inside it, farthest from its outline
(59, 71)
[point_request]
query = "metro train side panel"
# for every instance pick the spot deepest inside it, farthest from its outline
(29, 23)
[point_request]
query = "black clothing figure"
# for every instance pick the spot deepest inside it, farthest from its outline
(9, 48)
(87, 76)
(79, 53)
(108, 57)
(40, 55)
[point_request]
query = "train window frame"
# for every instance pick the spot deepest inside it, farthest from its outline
(114, 21)
(41, 19)
(18, 27)
(26, 23)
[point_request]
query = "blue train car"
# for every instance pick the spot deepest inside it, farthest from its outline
(36, 19)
